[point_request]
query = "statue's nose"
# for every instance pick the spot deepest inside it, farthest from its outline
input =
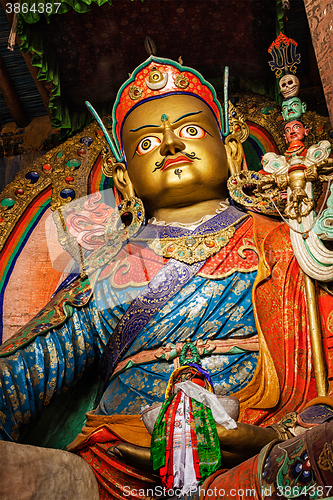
(171, 144)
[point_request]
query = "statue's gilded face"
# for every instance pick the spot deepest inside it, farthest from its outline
(175, 155)
(293, 109)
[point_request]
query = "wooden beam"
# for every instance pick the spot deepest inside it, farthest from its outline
(12, 99)
(9, 15)
(320, 18)
(33, 70)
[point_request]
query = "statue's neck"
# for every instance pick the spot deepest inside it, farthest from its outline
(187, 214)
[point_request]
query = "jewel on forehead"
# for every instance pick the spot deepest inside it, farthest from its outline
(164, 118)
(156, 80)
(155, 75)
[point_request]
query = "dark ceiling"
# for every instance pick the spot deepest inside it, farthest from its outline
(96, 50)
(19, 75)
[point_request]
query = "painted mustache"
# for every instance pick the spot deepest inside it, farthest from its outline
(160, 165)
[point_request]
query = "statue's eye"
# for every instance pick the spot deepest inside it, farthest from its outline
(192, 132)
(147, 145)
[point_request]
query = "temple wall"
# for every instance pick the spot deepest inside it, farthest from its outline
(20, 147)
(38, 271)
(320, 18)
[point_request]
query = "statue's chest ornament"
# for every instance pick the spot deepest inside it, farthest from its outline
(191, 248)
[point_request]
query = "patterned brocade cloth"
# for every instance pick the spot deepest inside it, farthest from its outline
(210, 306)
(116, 479)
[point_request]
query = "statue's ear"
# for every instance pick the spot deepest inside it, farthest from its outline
(122, 181)
(304, 106)
(234, 150)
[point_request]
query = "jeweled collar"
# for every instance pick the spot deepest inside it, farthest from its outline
(194, 246)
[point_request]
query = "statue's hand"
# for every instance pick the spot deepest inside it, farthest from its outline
(311, 173)
(135, 455)
(242, 443)
(267, 181)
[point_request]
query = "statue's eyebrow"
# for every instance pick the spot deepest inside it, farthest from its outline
(187, 114)
(143, 126)
(157, 126)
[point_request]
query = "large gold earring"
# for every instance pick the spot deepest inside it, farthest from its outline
(124, 223)
(128, 217)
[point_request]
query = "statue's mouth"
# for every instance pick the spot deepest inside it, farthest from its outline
(174, 161)
(169, 162)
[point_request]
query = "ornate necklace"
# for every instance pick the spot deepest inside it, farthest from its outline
(188, 248)
(296, 148)
(192, 248)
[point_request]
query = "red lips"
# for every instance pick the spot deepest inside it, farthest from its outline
(175, 161)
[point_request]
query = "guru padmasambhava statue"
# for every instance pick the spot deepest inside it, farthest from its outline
(221, 312)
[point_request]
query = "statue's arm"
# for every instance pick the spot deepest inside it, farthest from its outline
(35, 374)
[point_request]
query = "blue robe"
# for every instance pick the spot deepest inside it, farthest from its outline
(206, 309)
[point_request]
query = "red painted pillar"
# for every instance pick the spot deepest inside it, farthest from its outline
(320, 18)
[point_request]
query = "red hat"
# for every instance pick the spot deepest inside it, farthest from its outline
(156, 78)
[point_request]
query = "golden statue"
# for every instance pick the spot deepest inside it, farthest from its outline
(183, 289)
